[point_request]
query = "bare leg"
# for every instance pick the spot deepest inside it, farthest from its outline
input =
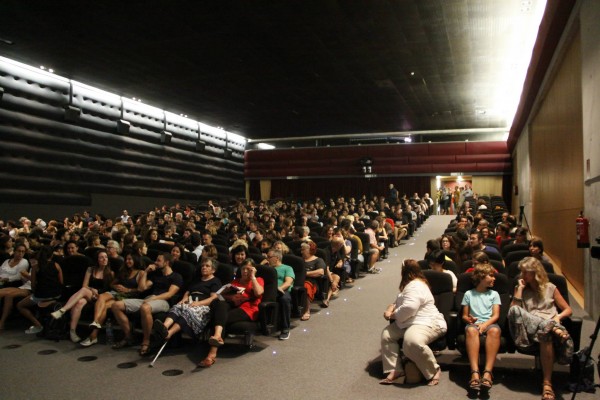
(76, 312)
(24, 308)
(168, 322)
(101, 306)
(146, 320)
(118, 310)
(173, 330)
(547, 361)
(472, 343)
(9, 295)
(492, 344)
(82, 293)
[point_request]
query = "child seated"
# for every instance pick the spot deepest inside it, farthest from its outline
(481, 310)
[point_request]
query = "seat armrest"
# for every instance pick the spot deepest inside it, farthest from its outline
(267, 316)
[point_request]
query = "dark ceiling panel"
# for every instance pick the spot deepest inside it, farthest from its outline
(268, 69)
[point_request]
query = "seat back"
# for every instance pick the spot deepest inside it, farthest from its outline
(513, 247)
(516, 255)
(297, 265)
(443, 295)
(224, 272)
(188, 272)
(73, 271)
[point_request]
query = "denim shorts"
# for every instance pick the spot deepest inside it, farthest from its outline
(486, 329)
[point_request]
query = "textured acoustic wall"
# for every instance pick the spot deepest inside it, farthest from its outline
(62, 143)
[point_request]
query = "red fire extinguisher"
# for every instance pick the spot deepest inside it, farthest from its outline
(582, 225)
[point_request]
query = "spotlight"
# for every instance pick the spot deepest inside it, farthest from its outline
(200, 146)
(72, 113)
(165, 137)
(123, 126)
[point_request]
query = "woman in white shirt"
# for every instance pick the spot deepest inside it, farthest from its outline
(417, 320)
(14, 279)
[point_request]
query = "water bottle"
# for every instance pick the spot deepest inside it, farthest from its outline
(110, 335)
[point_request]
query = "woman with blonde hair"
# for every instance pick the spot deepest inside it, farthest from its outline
(534, 317)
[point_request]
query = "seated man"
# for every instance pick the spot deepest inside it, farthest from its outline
(285, 281)
(164, 284)
(476, 242)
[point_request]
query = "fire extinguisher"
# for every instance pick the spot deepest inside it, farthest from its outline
(582, 225)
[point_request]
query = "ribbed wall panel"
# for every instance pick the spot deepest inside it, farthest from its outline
(47, 159)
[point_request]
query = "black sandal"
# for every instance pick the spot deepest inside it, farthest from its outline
(144, 349)
(486, 384)
(474, 383)
(126, 342)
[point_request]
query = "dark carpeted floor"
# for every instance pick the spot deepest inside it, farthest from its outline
(334, 355)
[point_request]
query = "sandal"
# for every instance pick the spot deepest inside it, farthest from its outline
(207, 362)
(547, 394)
(436, 378)
(159, 329)
(144, 349)
(349, 280)
(305, 317)
(213, 341)
(474, 383)
(398, 379)
(325, 304)
(561, 334)
(486, 384)
(127, 342)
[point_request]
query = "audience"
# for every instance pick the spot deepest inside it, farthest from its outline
(273, 229)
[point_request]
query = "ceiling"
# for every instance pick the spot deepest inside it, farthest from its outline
(281, 69)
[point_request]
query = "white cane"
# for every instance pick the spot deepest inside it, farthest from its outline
(158, 354)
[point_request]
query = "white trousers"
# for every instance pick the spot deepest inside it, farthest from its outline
(415, 347)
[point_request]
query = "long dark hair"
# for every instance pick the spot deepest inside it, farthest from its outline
(411, 271)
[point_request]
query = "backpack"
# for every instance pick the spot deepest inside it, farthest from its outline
(54, 329)
(586, 369)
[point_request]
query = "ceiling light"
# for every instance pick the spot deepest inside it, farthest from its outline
(407, 139)
(264, 146)
(50, 70)
(42, 67)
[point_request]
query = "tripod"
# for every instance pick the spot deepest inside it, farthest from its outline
(587, 354)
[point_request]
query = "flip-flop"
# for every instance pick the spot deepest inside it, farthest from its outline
(397, 380)
(305, 317)
(325, 303)
(213, 341)
(207, 362)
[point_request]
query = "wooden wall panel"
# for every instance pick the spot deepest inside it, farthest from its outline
(487, 185)
(556, 153)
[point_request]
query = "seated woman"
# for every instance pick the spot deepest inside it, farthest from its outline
(417, 320)
(125, 286)
(14, 281)
(536, 249)
(437, 260)
(335, 270)
(481, 311)
(238, 256)
(178, 252)
(315, 269)
(96, 281)
(140, 248)
(534, 317)
(240, 306)
(46, 281)
(192, 313)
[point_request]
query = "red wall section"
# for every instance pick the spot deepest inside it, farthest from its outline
(390, 159)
